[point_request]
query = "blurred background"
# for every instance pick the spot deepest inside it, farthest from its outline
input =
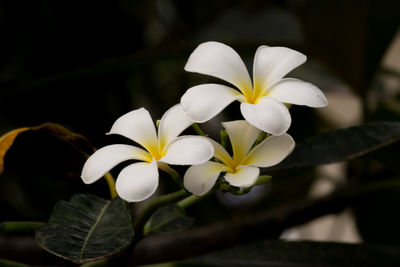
(83, 64)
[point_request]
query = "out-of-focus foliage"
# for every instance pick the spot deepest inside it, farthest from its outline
(303, 253)
(340, 145)
(168, 219)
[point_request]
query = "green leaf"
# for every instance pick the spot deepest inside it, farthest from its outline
(304, 253)
(167, 219)
(340, 145)
(87, 228)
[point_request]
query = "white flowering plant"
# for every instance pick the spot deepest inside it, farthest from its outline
(91, 228)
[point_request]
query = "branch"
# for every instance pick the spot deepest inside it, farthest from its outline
(250, 228)
(219, 235)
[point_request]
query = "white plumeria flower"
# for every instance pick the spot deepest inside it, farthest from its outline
(241, 169)
(138, 181)
(261, 101)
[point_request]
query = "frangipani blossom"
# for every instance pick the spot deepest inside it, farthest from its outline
(261, 100)
(241, 169)
(138, 181)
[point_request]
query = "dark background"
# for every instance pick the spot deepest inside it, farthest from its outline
(83, 64)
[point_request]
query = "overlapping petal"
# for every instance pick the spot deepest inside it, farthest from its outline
(273, 63)
(172, 123)
(244, 176)
(221, 61)
(201, 107)
(297, 92)
(268, 115)
(271, 151)
(221, 153)
(242, 171)
(188, 150)
(106, 158)
(242, 136)
(138, 126)
(199, 179)
(137, 181)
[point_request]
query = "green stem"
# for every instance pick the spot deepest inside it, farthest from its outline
(192, 199)
(263, 179)
(173, 173)
(198, 130)
(224, 138)
(111, 185)
(109, 178)
(288, 105)
(261, 138)
(14, 227)
(146, 213)
(188, 201)
(226, 187)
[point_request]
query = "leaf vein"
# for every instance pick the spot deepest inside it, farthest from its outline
(85, 242)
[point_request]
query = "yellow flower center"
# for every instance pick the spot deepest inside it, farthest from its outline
(232, 165)
(156, 152)
(253, 96)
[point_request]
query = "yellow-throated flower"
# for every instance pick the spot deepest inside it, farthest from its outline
(261, 101)
(138, 181)
(241, 169)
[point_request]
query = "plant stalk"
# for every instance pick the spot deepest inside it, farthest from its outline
(146, 213)
(111, 184)
(198, 130)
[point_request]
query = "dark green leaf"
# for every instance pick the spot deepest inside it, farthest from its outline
(169, 218)
(296, 254)
(87, 228)
(342, 144)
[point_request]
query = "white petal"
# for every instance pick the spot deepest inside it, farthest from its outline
(137, 181)
(106, 158)
(204, 101)
(244, 176)
(138, 126)
(221, 153)
(199, 179)
(268, 115)
(221, 61)
(188, 150)
(242, 136)
(172, 124)
(273, 63)
(271, 151)
(297, 92)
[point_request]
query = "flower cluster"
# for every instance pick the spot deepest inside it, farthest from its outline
(262, 106)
